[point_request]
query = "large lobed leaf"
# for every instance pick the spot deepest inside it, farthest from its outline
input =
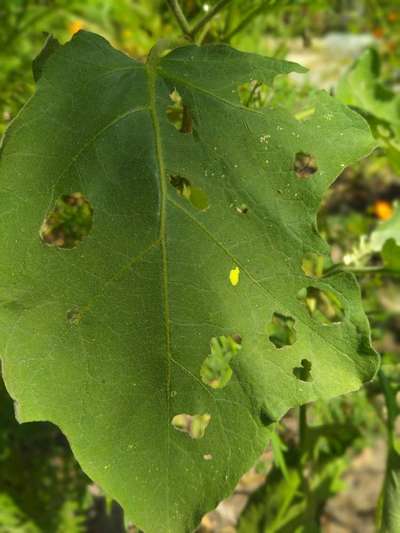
(108, 339)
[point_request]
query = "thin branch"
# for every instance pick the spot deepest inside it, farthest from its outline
(246, 21)
(341, 267)
(180, 17)
(210, 15)
(371, 270)
(252, 93)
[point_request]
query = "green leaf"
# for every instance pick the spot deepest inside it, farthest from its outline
(387, 230)
(361, 87)
(12, 518)
(50, 47)
(391, 255)
(107, 339)
(41, 486)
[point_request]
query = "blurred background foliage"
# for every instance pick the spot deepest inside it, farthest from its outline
(352, 48)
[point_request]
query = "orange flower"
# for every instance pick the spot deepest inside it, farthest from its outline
(392, 16)
(75, 25)
(378, 33)
(382, 209)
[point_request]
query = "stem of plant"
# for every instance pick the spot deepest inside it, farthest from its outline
(371, 270)
(302, 428)
(303, 465)
(253, 14)
(209, 16)
(340, 267)
(180, 17)
(390, 401)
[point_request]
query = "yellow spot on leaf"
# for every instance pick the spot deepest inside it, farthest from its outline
(234, 275)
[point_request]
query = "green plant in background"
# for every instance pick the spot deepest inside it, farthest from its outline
(109, 338)
(41, 488)
(362, 89)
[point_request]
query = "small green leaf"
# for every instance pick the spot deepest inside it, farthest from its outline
(387, 230)
(391, 255)
(361, 87)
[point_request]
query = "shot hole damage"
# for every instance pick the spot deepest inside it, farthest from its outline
(254, 94)
(304, 165)
(303, 372)
(216, 371)
(196, 196)
(193, 425)
(281, 331)
(313, 265)
(69, 222)
(242, 209)
(74, 316)
(323, 305)
(179, 114)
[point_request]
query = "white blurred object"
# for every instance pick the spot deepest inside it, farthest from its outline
(328, 57)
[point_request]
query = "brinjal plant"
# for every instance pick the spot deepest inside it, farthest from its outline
(155, 302)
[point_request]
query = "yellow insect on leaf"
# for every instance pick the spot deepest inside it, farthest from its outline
(234, 275)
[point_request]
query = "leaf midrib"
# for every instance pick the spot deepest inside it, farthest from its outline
(152, 76)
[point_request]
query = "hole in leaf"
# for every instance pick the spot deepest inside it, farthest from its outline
(179, 114)
(196, 196)
(242, 209)
(254, 94)
(303, 372)
(281, 330)
(305, 165)
(323, 305)
(74, 316)
(313, 265)
(237, 338)
(69, 222)
(265, 417)
(215, 370)
(194, 425)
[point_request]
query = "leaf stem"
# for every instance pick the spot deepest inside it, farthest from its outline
(246, 21)
(390, 401)
(180, 17)
(252, 93)
(340, 267)
(371, 270)
(303, 428)
(209, 16)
